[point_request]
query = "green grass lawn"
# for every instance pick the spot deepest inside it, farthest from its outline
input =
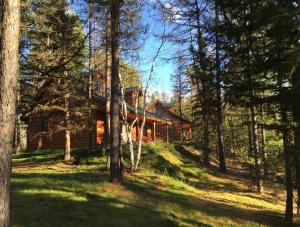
(170, 189)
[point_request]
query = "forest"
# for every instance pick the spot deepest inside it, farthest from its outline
(149, 113)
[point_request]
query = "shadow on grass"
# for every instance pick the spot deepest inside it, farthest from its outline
(207, 207)
(28, 159)
(75, 199)
(190, 160)
(46, 157)
(37, 201)
(188, 155)
(48, 210)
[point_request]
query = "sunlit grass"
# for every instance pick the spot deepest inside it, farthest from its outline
(170, 189)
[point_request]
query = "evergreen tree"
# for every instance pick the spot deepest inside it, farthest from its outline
(10, 28)
(181, 87)
(55, 41)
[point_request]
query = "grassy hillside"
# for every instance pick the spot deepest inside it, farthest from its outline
(170, 189)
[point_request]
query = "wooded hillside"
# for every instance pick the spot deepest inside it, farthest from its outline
(83, 90)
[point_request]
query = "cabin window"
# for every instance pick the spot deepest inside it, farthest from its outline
(97, 86)
(45, 125)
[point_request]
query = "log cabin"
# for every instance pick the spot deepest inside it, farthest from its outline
(162, 124)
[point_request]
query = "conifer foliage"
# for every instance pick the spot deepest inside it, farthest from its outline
(54, 46)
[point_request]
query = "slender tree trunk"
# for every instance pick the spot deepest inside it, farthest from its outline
(288, 166)
(140, 141)
(297, 162)
(296, 119)
(250, 137)
(263, 145)
(90, 129)
(18, 123)
(131, 151)
(107, 88)
(204, 79)
(180, 110)
(67, 130)
(115, 170)
(258, 179)
(128, 126)
(222, 164)
(8, 85)
(206, 150)
(18, 135)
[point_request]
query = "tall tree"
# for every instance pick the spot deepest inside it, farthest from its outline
(8, 84)
(181, 87)
(115, 165)
(56, 44)
(222, 164)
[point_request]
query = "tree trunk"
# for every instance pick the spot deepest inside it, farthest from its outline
(8, 85)
(222, 164)
(180, 108)
(90, 130)
(250, 137)
(204, 79)
(107, 89)
(181, 119)
(115, 170)
(296, 119)
(18, 135)
(297, 162)
(263, 145)
(67, 131)
(288, 167)
(131, 151)
(258, 179)
(206, 150)
(140, 141)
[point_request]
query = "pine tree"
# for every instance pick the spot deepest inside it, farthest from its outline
(51, 69)
(10, 28)
(115, 167)
(181, 87)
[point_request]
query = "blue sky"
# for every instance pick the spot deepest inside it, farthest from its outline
(163, 69)
(161, 81)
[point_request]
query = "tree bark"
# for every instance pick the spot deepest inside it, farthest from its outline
(204, 79)
(296, 119)
(90, 129)
(8, 85)
(258, 179)
(263, 145)
(107, 89)
(222, 164)
(297, 162)
(180, 113)
(67, 131)
(115, 170)
(206, 150)
(288, 166)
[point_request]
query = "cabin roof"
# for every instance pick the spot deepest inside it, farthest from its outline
(168, 104)
(131, 109)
